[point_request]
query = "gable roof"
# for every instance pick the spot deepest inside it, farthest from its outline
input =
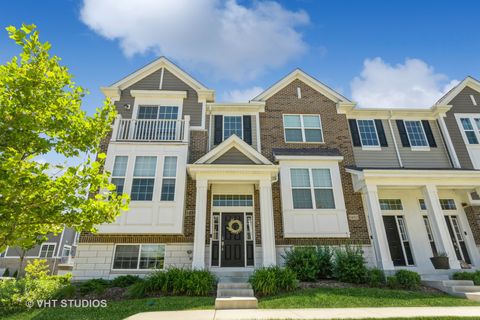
(467, 82)
(150, 68)
(309, 80)
(233, 142)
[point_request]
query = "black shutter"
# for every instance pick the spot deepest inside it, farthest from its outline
(247, 129)
(354, 131)
(218, 130)
(403, 133)
(429, 133)
(381, 133)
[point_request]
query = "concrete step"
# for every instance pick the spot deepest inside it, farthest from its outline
(227, 293)
(466, 289)
(475, 296)
(236, 303)
(234, 285)
(447, 283)
(227, 279)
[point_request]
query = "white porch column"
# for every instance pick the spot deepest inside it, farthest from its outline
(438, 224)
(377, 228)
(200, 225)
(267, 225)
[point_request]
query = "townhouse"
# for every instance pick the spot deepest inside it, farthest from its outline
(231, 186)
(58, 250)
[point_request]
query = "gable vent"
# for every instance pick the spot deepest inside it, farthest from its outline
(299, 93)
(473, 99)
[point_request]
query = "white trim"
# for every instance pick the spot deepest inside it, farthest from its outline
(417, 148)
(160, 94)
(47, 244)
(298, 74)
(252, 107)
(472, 97)
(138, 258)
(232, 116)
(369, 147)
(161, 79)
(467, 82)
(448, 139)
(395, 143)
(60, 242)
(308, 158)
(472, 149)
(353, 112)
(259, 140)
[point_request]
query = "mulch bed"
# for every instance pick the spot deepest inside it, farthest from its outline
(344, 285)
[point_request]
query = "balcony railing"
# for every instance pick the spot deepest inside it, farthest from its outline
(151, 130)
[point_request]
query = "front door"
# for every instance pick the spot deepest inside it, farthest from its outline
(233, 244)
(394, 242)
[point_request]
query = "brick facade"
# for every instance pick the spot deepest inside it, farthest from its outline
(473, 217)
(336, 135)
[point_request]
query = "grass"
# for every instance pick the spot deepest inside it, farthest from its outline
(307, 298)
(116, 309)
(359, 297)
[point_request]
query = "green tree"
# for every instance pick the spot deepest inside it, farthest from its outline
(40, 112)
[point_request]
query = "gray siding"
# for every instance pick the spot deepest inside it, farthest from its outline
(461, 104)
(191, 106)
(68, 239)
(233, 156)
(211, 136)
(435, 158)
(385, 158)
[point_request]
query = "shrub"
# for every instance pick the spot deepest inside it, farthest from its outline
(137, 290)
(67, 292)
(37, 269)
(15, 274)
(97, 286)
(376, 277)
(309, 263)
(124, 281)
(6, 273)
(349, 265)
(474, 276)
(272, 280)
(404, 279)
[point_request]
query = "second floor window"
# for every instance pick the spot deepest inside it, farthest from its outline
(47, 250)
(471, 130)
(143, 178)
(302, 128)
(118, 173)
(368, 133)
(232, 125)
(312, 188)
(415, 133)
(158, 112)
(169, 178)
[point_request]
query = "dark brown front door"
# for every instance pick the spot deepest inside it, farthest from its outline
(394, 241)
(233, 243)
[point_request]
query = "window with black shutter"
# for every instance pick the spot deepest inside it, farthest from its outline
(429, 133)
(218, 129)
(403, 133)
(354, 131)
(247, 129)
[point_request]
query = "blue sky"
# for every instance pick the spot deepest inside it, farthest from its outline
(379, 53)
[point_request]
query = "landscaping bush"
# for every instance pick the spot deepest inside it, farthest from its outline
(349, 265)
(124, 281)
(404, 279)
(174, 281)
(309, 263)
(67, 292)
(6, 273)
(272, 280)
(376, 277)
(474, 276)
(37, 269)
(97, 286)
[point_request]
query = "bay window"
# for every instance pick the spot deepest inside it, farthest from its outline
(312, 188)
(143, 178)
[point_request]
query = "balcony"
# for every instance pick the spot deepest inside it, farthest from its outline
(151, 130)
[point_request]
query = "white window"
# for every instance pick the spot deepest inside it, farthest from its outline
(423, 205)
(302, 128)
(416, 134)
(472, 132)
(232, 125)
(312, 188)
(391, 204)
(47, 250)
(216, 227)
(139, 256)
(368, 133)
(118, 173)
(158, 112)
(249, 228)
(448, 204)
(66, 251)
(169, 179)
(143, 178)
(232, 200)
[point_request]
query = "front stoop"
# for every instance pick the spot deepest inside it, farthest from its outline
(458, 288)
(235, 295)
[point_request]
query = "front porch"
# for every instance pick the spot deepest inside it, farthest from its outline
(414, 215)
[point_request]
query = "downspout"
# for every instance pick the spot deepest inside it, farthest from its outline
(399, 158)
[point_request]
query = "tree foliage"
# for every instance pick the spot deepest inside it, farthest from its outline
(40, 112)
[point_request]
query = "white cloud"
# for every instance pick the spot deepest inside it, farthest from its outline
(225, 38)
(242, 95)
(409, 85)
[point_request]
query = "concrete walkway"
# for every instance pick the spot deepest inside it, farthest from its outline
(326, 313)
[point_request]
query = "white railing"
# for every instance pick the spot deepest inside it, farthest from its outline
(151, 130)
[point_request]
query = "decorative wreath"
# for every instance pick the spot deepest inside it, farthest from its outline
(234, 226)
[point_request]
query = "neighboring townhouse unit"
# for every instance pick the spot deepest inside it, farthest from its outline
(223, 185)
(231, 186)
(59, 252)
(415, 197)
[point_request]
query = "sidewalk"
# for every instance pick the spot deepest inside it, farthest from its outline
(326, 313)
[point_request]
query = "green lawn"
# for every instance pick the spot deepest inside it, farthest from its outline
(359, 297)
(308, 298)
